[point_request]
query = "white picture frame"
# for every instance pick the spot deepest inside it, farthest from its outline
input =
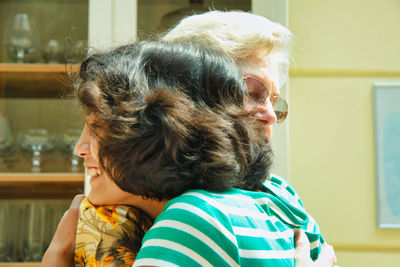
(387, 139)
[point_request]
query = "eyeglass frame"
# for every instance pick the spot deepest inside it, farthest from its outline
(281, 116)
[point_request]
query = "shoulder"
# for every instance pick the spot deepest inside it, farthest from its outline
(192, 228)
(194, 208)
(198, 209)
(279, 186)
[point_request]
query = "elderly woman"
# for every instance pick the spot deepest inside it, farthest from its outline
(166, 132)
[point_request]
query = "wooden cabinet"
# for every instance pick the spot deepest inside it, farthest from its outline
(35, 96)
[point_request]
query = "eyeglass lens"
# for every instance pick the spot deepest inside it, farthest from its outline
(259, 93)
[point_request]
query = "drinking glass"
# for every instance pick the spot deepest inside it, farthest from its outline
(51, 53)
(6, 141)
(5, 134)
(18, 228)
(4, 233)
(68, 141)
(36, 231)
(36, 141)
(21, 36)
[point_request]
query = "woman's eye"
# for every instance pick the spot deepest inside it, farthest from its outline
(257, 97)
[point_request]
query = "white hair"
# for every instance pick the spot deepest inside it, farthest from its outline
(238, 34)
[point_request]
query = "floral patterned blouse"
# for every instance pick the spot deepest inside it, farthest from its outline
(109, 235)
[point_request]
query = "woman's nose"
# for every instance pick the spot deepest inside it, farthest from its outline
(82, 150)
(266, 113)
(82, 147)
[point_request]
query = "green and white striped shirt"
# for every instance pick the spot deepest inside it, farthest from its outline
(230, 228)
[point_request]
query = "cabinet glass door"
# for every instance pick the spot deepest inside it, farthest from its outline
(156, 16)
(40, 43)
(42, 31)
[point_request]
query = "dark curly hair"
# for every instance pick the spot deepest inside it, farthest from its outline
(169, 117)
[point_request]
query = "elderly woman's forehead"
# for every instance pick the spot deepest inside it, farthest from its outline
(261, 69)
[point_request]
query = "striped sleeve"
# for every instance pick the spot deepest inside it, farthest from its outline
(190, 232)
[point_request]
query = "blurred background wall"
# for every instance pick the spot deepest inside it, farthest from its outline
(342, 47)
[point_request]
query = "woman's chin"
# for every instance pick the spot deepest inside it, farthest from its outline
(101, 200)
(95, 200)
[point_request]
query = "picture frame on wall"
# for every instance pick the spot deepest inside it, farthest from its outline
(387, 139)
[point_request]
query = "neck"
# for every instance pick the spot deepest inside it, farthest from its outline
(151, 207)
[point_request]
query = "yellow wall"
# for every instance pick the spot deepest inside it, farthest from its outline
(342, 47)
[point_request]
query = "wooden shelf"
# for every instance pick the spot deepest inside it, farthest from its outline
(37, 68)
(41, 177)
(19, 264)
(41, 186)
(35, 80)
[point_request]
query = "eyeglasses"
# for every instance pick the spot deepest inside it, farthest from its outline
(259, 95)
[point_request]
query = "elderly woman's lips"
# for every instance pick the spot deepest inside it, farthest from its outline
(262, 121)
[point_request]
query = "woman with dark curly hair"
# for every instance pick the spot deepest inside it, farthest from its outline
(166, 132)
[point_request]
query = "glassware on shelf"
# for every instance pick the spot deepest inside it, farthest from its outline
(52, 52)
(21, 36)
(5, 245)
(36, 231)
(6, 141)
(18, 212)
(76, 51)
(27, 227)
(6, 138)
(76, 48)
(68, 141)
(36, 141)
